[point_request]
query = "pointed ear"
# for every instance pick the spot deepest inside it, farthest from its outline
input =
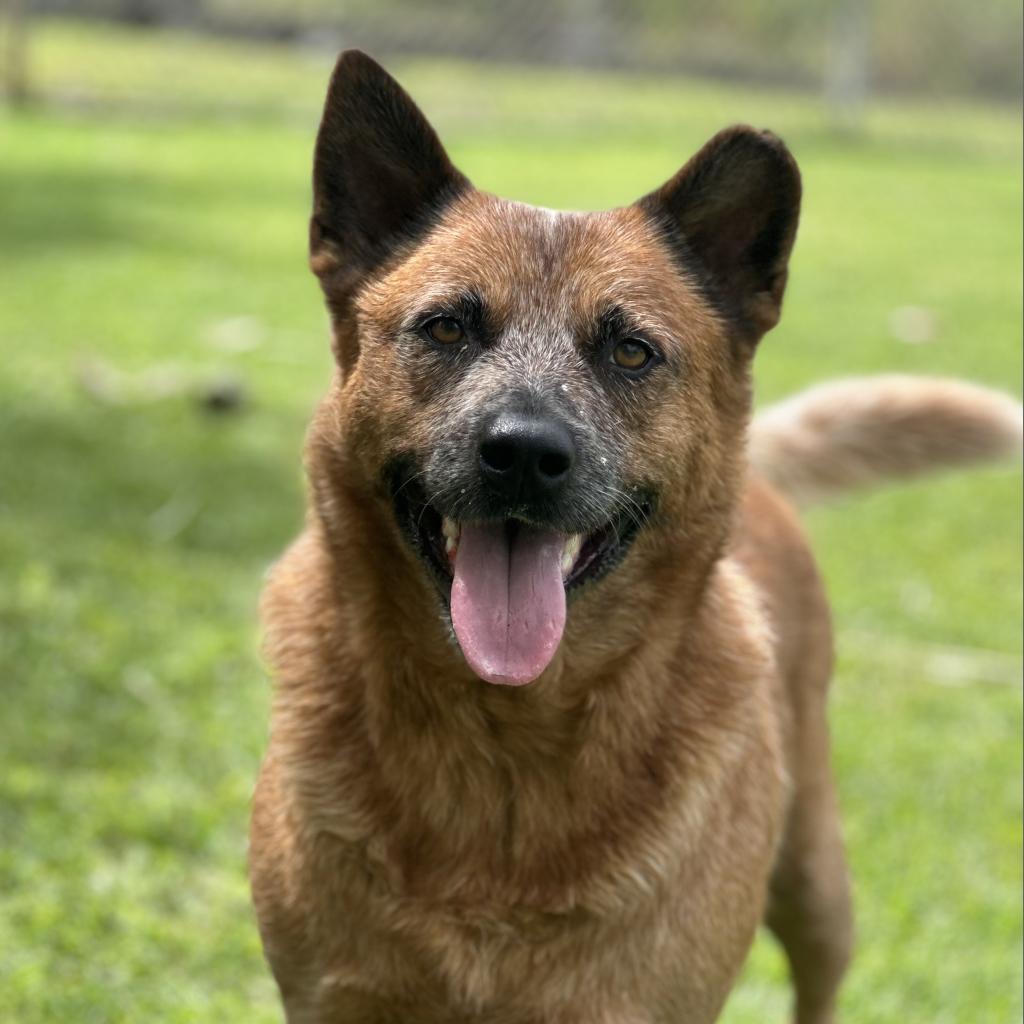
(380, 174)
(733, 209)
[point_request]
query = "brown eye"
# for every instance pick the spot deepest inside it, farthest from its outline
(631, 355)
(445, 330)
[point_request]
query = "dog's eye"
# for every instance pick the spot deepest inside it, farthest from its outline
(632, 355)
(445, 330)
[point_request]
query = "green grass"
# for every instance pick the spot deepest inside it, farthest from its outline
(133, 536)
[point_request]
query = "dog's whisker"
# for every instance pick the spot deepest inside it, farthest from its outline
(410, 480)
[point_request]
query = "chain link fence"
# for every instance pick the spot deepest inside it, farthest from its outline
(845, 49)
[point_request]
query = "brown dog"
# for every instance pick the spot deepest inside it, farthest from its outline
(532, 468)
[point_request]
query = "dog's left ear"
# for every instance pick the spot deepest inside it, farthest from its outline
(734, 209)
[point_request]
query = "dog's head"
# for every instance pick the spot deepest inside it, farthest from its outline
(539, 403)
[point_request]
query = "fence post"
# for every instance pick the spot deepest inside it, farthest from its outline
(586, 32)
(846, 70)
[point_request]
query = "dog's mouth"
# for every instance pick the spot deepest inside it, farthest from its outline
(506, 580)
(584, 557)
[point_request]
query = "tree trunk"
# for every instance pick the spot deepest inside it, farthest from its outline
(15, 53)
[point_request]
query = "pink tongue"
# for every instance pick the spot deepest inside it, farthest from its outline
(508, 601)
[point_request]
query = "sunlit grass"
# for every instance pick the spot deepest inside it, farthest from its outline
(133, 536)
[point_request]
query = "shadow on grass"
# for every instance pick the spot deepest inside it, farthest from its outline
(161, 474)
(43, 208)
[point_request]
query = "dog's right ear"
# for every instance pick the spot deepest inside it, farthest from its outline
(380, 173)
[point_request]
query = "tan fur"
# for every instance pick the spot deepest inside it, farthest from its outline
(600, 846)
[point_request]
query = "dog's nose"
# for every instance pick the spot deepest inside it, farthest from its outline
(526, 458)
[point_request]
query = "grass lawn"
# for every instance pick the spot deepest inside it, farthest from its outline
(134, 531)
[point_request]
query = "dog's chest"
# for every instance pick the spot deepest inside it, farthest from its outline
(477, 960)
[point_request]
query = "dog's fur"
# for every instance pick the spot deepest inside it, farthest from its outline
(600, 846)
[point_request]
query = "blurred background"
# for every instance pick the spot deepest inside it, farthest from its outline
(163, 344)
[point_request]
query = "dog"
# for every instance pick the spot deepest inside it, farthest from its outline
(551, 654)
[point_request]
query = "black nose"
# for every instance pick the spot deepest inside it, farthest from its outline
(526, 458)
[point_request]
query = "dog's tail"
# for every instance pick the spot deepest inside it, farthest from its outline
(853, 433)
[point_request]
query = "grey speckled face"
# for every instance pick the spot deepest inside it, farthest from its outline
(530, 387)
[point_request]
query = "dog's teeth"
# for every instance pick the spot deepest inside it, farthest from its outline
(570, 553)
(451, 531)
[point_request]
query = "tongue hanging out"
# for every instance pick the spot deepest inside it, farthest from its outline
(508, 600)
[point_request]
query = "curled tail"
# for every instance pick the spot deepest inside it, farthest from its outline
(856, 432)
